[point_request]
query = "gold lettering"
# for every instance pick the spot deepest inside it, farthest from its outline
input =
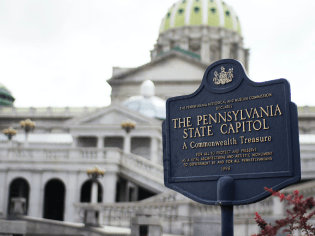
(175, 123)
(197, 131)
(235, 114)
(238, 125)
(277, 109)
(209, 130)
(231, 128)
(223, 118)
(185, 133)
(264, 122)
(181, 122)
(222, 127)
(203, 130)
(248, 122)
(242, 139)
(199, 118)
(249, 114)
(259, 125)
(211, 117)
(188, 122)
(185, 146)
(205, 120)
(230, 117)
(242, 118)
(191, 129)
(262, 110)
(256, 112)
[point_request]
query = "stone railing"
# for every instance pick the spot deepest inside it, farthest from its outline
(120, 214)
(151, 170)
(170, 212)
(132, 163)
(44, 111)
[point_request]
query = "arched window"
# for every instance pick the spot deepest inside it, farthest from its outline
(19, 188)
(54, 200)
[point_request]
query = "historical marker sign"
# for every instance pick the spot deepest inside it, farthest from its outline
(231, 126)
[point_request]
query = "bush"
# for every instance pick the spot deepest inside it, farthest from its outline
(296, 219)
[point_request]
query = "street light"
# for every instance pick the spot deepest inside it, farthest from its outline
(10, 132)
(94, 174)
(128, 125)
(28, 126)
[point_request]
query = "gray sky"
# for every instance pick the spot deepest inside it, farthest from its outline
(60, 52)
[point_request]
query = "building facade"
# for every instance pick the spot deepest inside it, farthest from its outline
(47, 167)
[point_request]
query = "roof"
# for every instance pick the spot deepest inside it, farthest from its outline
(172, 53)
(188, 53)
(215, 13)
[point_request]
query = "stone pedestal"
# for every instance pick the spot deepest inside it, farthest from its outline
(18, 206)
(152, 226)
(91, 218)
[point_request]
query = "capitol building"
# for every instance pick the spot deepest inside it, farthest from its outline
(44, 172)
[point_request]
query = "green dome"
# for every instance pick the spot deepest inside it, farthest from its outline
(200, 12)
(6, 99)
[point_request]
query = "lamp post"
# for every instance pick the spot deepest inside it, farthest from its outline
(94, 174)
(28, 126)
(10, 132)
(128, 126)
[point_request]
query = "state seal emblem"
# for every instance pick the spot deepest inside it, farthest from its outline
(224, 77)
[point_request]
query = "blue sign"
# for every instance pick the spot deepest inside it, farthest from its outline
(235, 128)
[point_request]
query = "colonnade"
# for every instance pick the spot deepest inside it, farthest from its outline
(154, 149)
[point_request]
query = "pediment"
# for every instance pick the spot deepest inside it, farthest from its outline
(112, 116)
(171, 67)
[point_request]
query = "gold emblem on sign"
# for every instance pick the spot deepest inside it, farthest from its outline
(224, 77)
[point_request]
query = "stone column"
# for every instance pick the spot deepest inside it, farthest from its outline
(205, 50)
(240, 55)
(110, 184)
(278, 207)
(100, 146)
(100, 142)
(71, 196)
(127, 143)
(154, 150)
(26, 144)
(94, 192)
(4, 192)
(36, 195)
(74, 141)
(166, 46)
(184, 43)
(225, 49)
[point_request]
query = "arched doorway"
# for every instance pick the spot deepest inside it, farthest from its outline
(86, 192)
(54, 200)
(19, 187)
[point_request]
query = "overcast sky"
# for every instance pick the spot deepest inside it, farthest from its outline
(61, 52)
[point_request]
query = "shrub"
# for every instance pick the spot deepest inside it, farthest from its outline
(296, 219)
